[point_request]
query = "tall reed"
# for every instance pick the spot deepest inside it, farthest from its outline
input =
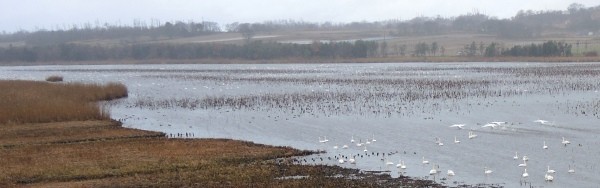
(36, 102)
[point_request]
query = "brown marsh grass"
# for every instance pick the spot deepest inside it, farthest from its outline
(37, 102)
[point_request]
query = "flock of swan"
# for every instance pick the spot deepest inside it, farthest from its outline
(548, 175)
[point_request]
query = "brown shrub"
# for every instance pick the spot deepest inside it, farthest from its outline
(54, 78)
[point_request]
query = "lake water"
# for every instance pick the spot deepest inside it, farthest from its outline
(403, 106)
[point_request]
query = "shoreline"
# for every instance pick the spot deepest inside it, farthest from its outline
(103, 153)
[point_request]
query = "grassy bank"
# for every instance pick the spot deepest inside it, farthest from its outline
(53, 135)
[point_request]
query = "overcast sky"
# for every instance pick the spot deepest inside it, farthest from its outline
(29, 14)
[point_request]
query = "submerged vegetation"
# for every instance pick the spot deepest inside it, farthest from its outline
(397, 91)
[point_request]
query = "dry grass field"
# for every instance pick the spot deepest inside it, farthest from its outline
(81, 147)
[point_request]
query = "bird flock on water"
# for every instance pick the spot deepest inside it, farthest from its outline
(435, 170)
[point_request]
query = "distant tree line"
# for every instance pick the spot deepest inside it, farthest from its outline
(546, 49)
(252, 50)
(549, 48)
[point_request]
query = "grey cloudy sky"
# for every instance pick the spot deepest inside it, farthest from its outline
(29, 14)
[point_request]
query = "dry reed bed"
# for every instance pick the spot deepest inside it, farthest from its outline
(36, 102)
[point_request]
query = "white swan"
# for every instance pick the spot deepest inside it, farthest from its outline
(403, 166)
(324, 139)
(525, 158)
(352, 139)
(345, 146)
(516, 156)
(456, 141)
(450, 173)
(487, 171)
(524, 164)
(541, 121)
(388, 162)
(564, 141)
(341, 161)
(399, 164)
(433, 170)
(365, 149)
(458, 126)
(359, 144)
(525, 174)
(571, 170)
(472, 135)
(548, 177)
(438, 141)
(545, 146)
(373, 140)
(490, 125)
(352, 161)
(550, 171)
(335, 147)
(424, 161)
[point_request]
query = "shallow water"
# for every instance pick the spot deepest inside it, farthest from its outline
(403, 106)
